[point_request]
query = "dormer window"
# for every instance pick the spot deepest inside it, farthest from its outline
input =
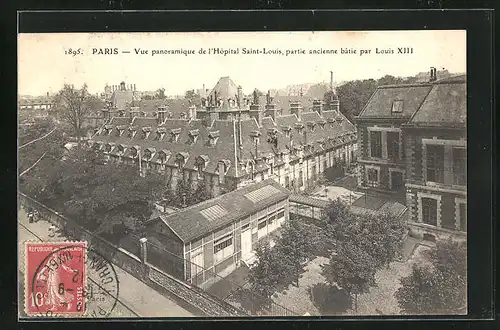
(200, 164)
(181, 159)
(108, 129)
(255, 136)
(288, 131)
(193, 135)
(311, 125)
(132, 130)
(107, 148)
(149, 153)
(322, 124)
(133, 152)
(146, 130)
(272, 131)
(160, 133)
(299, 127)
(120, 149)
(120, 129)
(174, 134)
(213, 137)
(397, 106)
(163, 156)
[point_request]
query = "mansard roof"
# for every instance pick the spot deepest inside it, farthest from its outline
(381, 102)
(225, 88)
(442, 102)
(445, 104)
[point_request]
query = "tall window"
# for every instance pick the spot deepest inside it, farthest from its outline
(223, 248)
(196, 261)
(463, 217)
(393, 144)
(262, 227)
(429, 211)
(301, 183)
(376, 144)
(459, 166)
(435, 163)
(372, 175)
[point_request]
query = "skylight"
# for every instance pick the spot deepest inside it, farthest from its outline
(213, 212)
(262, 193)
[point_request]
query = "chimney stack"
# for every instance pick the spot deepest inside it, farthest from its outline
(296, 108)
(134, 88)
(318, 106)
(240, 96)
(161, 114)
(433, 76)
(331, 80)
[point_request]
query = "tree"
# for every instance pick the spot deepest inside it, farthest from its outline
(113, 199)
(265, 277)
(362, 244)
(438, 288)
(354, 95)
(353, 269)
(160, 93)
(41, 146)
(297, 244)
(191, 94)
(73, 106)
(385, 233)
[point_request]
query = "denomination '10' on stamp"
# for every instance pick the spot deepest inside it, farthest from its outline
(55, 278)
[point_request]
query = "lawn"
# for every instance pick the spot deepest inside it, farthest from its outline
(313, 296)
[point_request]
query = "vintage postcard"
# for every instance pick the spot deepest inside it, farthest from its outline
(244, 174)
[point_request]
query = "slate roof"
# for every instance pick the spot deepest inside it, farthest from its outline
(190, 223)
(273, 141)
(225, 88)
(445, 104)
(380, 103)
(150, 106)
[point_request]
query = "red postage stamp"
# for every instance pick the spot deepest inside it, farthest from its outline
(55, 278)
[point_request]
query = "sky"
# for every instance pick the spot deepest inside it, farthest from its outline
(44, 66)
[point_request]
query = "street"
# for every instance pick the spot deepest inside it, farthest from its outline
(136, 299)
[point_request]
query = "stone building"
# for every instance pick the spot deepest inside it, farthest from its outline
(231, 150)
(412, 140)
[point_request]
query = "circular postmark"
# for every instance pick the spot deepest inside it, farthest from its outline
(73, 281)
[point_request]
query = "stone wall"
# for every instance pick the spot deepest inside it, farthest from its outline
(190, 297)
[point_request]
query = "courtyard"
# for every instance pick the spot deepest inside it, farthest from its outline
(314, 296)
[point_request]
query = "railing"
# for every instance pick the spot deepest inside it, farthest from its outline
(195, 298)
(209, 280)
